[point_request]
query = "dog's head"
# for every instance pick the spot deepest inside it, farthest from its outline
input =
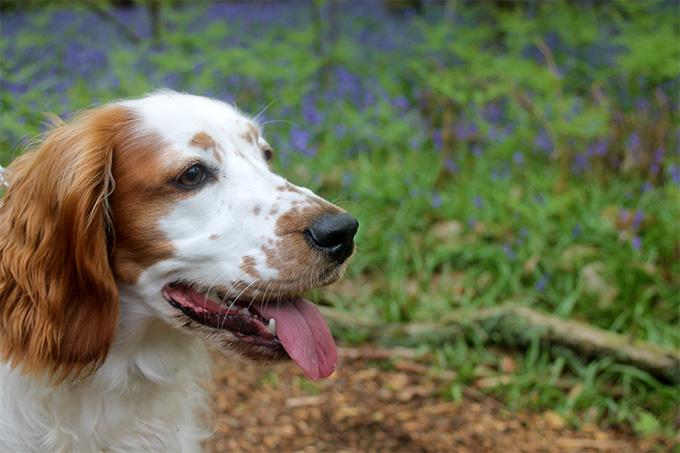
(167, 200)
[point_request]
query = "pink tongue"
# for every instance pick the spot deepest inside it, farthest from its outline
(304, 335)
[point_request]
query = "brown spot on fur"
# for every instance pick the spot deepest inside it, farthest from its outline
(213, 237)
(251, 135)
(204, 141)
(248, 266)
(256, 210)
(288, 187)
(274, 210)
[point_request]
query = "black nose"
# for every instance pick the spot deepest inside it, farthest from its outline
(334, 234)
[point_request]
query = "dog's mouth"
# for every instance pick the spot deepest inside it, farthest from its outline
(293, 327)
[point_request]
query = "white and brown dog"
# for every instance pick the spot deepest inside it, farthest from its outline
(133, 236)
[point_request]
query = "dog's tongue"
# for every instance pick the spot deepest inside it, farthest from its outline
(304, 335)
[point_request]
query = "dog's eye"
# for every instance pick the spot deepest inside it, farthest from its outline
(268, 154)
(193, 176)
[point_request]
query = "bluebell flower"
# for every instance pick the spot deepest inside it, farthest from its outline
(299, 138)
(576, 231)
(542, 283)
(659, 154)
(493, 112)
(451, 166)
(674, 170)
(636, 243)
(638, 219)
(309, 111)
(437, 140)
(580, 164)
(509, 252)
(543, 142)
(401, 102)
(465, 130)
(599, 148)
(518, 158)
(634, 141)
(478, 202)
(477, 151)
(436, 200)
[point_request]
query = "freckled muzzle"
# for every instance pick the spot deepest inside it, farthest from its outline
(333, 234)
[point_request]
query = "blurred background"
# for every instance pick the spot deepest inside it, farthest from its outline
(514, 165)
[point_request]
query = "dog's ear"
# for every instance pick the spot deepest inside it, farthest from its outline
(58, 298)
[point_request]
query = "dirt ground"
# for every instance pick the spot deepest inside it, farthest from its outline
(367, 406)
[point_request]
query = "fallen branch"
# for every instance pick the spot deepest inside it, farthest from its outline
(519, 323)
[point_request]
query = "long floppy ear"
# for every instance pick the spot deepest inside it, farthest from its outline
(58, 298)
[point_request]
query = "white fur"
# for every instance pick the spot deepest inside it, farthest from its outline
(147, 394)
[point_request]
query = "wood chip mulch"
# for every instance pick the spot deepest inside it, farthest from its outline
(367, 406)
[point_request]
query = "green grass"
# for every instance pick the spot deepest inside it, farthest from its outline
(509, 222)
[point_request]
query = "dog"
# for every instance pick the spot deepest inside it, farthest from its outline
(132, 238)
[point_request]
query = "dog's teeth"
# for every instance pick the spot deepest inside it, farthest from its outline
(271, 327)
(244, 311)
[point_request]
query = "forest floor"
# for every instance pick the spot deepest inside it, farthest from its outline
(379, 404)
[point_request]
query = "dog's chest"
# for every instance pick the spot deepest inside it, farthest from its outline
(135, 402)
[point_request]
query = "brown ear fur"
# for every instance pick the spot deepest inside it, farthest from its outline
(58, 298)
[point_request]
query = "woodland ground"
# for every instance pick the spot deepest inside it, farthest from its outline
(372, 405)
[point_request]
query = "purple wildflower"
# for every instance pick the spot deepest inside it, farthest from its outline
(636, 243)
(518, 158)
(599, 148)
(658, 155)
(493, 112)
(543, 142)
(580, 164)
(509, 252)
(309, 111)
(576, 231)
(465, 130)
(401, 102)
(299, 138)
(675, 174)
(436, 200)
(438, 140)
(478, 202)
(634, 141)
(477, 151)
(638, 219)
(451, 166)
(541, 283)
